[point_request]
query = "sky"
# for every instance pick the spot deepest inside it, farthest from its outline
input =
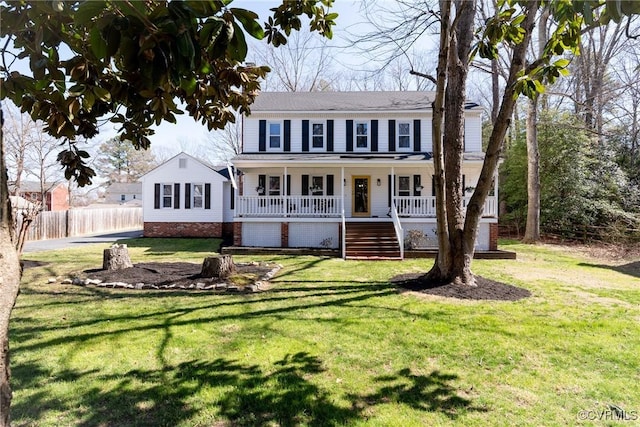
(188, 135)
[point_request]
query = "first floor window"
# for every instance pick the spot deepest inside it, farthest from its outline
(167, 195)
(122, 197)
(404, 135)
(362, 135)
(404, 186)
(317, 185)
(274, 135)
(197, 194)
(317, 137)
(274, 185)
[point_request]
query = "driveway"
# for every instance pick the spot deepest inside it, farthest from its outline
(71, 242)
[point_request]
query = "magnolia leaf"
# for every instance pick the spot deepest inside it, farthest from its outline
(87, 11)
(98, 45)
(248, 21)
(237, 48)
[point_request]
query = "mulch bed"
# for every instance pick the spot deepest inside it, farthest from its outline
(486, 290)
(171, 273)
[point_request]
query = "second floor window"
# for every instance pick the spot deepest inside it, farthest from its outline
(317, 137)
(362, 135)
(274, 135)
(404, 135)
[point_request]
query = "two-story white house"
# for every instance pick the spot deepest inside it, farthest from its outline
(346, 170)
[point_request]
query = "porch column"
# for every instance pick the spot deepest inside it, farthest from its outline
(495, 194)
(342, 186)
(393, 188)
(284, 194)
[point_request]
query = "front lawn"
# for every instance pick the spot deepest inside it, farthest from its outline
(332, 343)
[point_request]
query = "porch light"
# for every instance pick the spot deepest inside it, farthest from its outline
(378, 182)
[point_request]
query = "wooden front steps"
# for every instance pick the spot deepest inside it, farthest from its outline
(371, 240)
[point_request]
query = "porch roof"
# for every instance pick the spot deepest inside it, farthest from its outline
(340, 159)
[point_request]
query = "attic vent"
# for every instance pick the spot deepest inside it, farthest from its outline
(182, 163)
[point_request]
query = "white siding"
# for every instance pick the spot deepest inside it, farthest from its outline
(171, 173)
(428, 228)
(312, 235)
(228, 212)
(250, 134)
(473, 132)
(262, 234)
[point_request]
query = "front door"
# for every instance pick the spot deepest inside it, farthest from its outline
(361, 196)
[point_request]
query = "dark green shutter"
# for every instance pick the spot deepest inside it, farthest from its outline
(207, 196)
(262, 182)
(416, 184)
(287, 135)
(176, 196)
(329, 135)
(156, 196)
(349, 135)
(305, 185)
(392, 135)
(187, 196)
(416, 136)
(374, 135)
(305, 135)
(329, 185)
(262, 137)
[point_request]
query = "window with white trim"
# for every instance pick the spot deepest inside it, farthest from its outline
(362, 135)
(123, 198)
(404, 135)
(275, 136)
(166, 194)
(317, 135)
(274, 185)
(404, 186)
(317, 186)
(197, 196)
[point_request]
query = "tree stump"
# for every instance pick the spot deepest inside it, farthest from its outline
(116, 258)
(218, 266)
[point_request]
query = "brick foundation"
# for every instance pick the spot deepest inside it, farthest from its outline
(237, 234)
(493, 236)
(227, 230)
(284, 235)
(183, 229)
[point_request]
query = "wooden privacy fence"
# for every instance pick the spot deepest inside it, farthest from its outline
(79, 222)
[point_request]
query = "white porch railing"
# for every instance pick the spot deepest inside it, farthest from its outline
(295, 206)
(398, 228)
(413, 206)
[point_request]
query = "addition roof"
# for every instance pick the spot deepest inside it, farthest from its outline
(345, 101)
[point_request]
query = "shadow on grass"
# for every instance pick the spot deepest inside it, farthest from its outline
(286, 393)
(630, 269)
(165, 245)
(209, 308)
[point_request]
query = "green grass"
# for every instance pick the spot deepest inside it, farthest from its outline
(332, 343)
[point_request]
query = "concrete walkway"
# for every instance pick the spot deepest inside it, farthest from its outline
(70, 242)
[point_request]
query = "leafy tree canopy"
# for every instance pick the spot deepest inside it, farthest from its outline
(136, 63)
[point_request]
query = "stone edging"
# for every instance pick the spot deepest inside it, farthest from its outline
(259, 285)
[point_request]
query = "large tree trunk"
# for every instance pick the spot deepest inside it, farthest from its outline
(9, 283)
(452, 262)
(532, 230)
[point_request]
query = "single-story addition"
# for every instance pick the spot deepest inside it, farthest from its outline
(347, 170)
(186, 197)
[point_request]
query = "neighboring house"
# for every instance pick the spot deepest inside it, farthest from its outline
(186, 197)
(123, 192)
(55, 197)
(348, 170)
